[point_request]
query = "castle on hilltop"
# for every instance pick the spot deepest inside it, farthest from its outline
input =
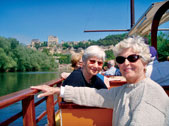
(53, 46)
(52, 41)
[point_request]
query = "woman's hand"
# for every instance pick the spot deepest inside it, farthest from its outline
(47, 90)
(64, 75)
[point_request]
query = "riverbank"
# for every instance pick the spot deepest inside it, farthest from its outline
(65, 66)
(15, 81)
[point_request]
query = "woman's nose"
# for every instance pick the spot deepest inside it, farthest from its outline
(126, 62)
(96, 64)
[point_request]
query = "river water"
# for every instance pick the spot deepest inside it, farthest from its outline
(12, 82)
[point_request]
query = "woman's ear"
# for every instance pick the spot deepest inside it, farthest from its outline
(145, 66)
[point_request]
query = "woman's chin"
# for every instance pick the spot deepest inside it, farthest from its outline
(94, 74)
(128, 76)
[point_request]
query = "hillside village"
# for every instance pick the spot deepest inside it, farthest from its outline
(54, 46)
(47, 55)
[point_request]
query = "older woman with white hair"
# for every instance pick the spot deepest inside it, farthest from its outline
(140, 102)
(92, 59)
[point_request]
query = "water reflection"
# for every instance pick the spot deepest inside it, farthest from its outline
(12, 82)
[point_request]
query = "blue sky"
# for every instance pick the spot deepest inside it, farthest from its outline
(67, 19)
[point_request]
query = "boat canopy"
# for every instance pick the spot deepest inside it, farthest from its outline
(144, 24)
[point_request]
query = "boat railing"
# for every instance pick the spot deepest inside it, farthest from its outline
(166, 88)
(27, 99)
(28, 107)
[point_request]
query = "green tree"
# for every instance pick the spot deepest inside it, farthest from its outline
(14, 43)
(37, 45)
(66, 45)
(44, 44)
(6, 62)
(46, 51)
(109, 54)
(4, 44)
(163, 46)
(63, 58)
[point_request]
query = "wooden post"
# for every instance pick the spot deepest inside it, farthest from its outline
(156, 21)
(28, 108)
(132, 13)
(50, 110)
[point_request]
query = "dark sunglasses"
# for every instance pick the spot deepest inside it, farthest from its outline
(100, 63)
(131, 58)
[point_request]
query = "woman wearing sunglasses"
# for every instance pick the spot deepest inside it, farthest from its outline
(77, 63)
(140, 102)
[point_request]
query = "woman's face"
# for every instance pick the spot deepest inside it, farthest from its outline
(80, 63)
(132, 71)
(93, 66)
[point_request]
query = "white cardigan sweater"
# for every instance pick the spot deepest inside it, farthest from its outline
(141, 104)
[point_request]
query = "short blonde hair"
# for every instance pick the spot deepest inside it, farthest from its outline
(75, 58)
(138, 45)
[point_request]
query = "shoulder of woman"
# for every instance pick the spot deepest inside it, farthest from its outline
(155, 91)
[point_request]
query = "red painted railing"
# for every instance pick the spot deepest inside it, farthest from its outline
(28, 106)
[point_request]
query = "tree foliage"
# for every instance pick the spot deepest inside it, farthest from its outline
(109, 54)
(163, 46)
(111, 40)
(63, 58)
(107, 41)
(17, 57)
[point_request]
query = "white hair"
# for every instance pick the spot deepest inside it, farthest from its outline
(138, 45)
(94, 51)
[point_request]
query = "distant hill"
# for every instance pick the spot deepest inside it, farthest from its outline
(107, 41)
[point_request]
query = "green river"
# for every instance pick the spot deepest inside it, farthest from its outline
(12, 82)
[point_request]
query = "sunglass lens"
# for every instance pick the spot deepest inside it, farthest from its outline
(133, 58)
(92, 61)
(100, 63)
(120, 59)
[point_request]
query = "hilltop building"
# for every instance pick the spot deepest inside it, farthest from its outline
(34, 43)
(53, 46)
(52, 40)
